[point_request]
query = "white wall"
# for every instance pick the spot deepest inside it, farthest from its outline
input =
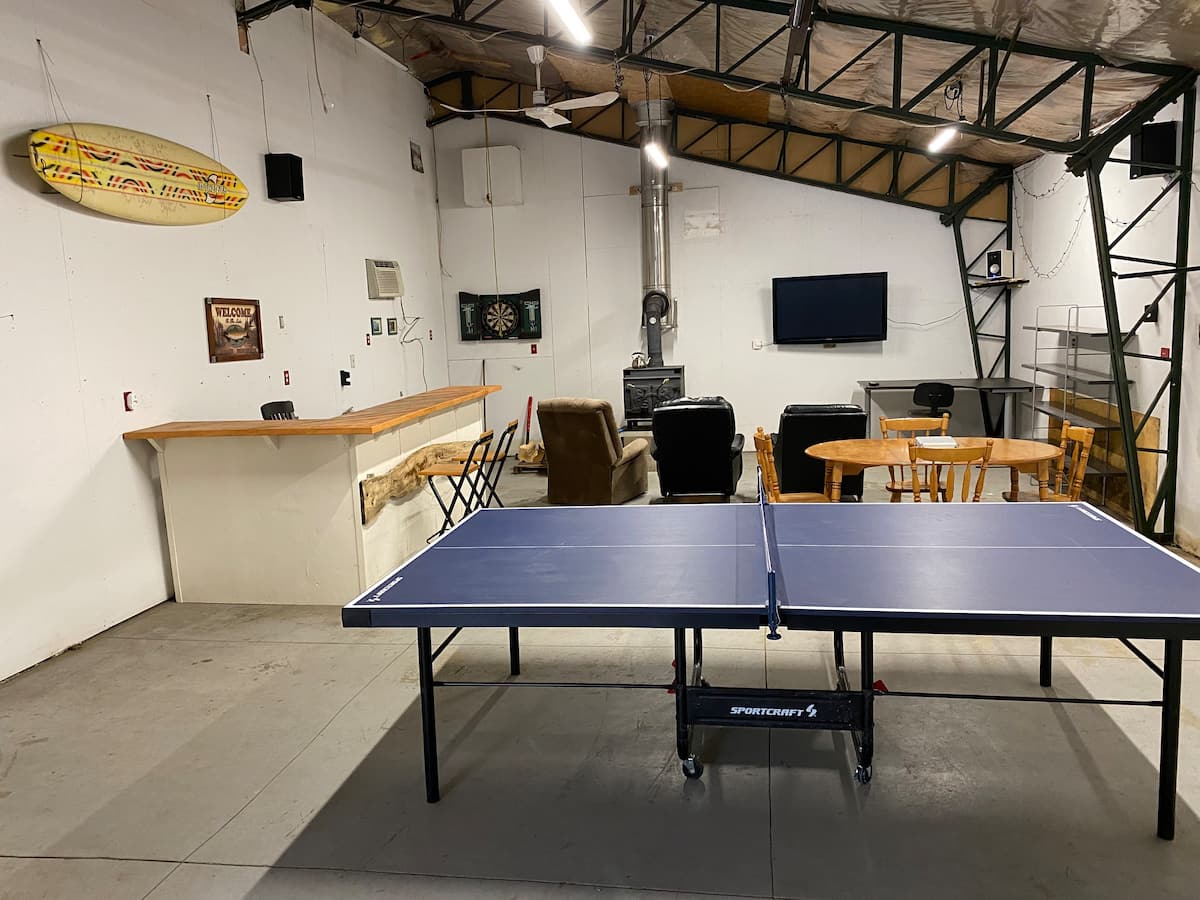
(577, 239)
(93, 306)
(1047, 224)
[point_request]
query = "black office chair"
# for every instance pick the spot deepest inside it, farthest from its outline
(697, 447)
(932, 399)
(803, 424)
(278, 409)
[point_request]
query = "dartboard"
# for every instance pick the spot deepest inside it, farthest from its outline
(500, 318)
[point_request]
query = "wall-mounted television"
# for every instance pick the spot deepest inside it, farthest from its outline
(829, 309)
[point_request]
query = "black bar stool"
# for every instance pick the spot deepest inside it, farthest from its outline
(278, 409)
(458, 473)
(489, 480)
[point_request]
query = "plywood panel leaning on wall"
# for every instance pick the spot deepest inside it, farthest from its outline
(1109, 451)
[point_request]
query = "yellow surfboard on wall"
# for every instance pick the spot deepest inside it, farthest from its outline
(135, 176)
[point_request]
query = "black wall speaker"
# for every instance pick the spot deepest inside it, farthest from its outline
(285, 176)
(1152, 147)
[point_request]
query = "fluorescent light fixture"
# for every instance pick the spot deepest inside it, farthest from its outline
(655, 154)
(570, 19)
(942, 139)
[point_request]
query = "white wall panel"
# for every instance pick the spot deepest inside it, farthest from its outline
(766, 228)
(93, 306)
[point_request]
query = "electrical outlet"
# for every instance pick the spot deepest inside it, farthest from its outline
(533, 349)
(287, 377)
(132, 401)
(431, 334)
(353, 361)
(368, 339)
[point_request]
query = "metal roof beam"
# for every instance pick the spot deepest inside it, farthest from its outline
(799, 38)
(894, 110)
(1100, 146)
(269, 8)
(725, 151)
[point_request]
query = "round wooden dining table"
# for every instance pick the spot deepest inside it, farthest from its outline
(850, 457)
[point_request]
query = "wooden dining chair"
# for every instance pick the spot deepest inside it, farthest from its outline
(899, 483)
(1066, 484)
(766, 464)
(949, 457)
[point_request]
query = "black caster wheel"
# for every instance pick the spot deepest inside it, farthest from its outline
(692, 767)
(704, 683)
(863, 774)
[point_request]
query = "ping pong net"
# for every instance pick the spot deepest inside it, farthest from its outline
(771, 552)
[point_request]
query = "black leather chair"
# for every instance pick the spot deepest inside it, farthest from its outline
(932, 398)
(697, 447)
(805, 424)
(278, 409)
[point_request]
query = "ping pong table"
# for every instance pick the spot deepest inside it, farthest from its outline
(1037, 569)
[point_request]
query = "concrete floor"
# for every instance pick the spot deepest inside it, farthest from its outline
(244, 751)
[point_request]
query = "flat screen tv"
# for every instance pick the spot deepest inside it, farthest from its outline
(829, 309)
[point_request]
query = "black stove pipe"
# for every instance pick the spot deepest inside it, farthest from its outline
(654, 307)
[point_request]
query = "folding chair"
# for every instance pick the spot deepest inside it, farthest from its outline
(489, 480)
(458, 474)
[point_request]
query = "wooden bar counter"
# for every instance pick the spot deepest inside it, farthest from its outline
(269, 511)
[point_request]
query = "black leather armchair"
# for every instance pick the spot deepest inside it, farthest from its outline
(805, 424)
(697, 447)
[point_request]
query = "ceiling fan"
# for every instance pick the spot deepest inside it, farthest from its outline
(546, 113)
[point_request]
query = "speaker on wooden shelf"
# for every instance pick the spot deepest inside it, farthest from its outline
(1000, 265)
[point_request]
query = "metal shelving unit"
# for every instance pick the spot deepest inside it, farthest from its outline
(1071, 355)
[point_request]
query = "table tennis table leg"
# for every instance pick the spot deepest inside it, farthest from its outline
(866, 746)
(514, 652)
(428, 719)
(1168, 757)
(683, 729)
(1047, 659)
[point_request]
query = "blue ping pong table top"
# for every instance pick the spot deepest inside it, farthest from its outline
(704, 565)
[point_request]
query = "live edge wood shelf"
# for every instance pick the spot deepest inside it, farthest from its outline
(270, 511)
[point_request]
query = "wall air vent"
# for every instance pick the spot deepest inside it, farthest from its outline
(384, 281)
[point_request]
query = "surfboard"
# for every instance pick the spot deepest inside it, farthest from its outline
(134, 176)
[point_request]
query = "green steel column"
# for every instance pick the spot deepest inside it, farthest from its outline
(1116, 350)
(967, 298)
(1178, 321)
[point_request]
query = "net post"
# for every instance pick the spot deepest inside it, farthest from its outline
(773, 620)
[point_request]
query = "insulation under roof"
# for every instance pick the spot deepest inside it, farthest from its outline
(1122, 32)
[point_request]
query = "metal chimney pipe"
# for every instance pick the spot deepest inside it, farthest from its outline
(654, 118)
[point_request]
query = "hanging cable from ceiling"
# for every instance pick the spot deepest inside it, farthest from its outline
(312, 16)
(953, 99)
(262, 89)
(51, 88)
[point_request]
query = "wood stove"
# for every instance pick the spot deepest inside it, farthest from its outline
(647, 387)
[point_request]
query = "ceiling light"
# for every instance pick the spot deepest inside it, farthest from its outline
(655, 154)
(571, 21)
(942, 139)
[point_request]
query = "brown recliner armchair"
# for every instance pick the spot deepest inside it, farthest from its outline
(586, 463)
